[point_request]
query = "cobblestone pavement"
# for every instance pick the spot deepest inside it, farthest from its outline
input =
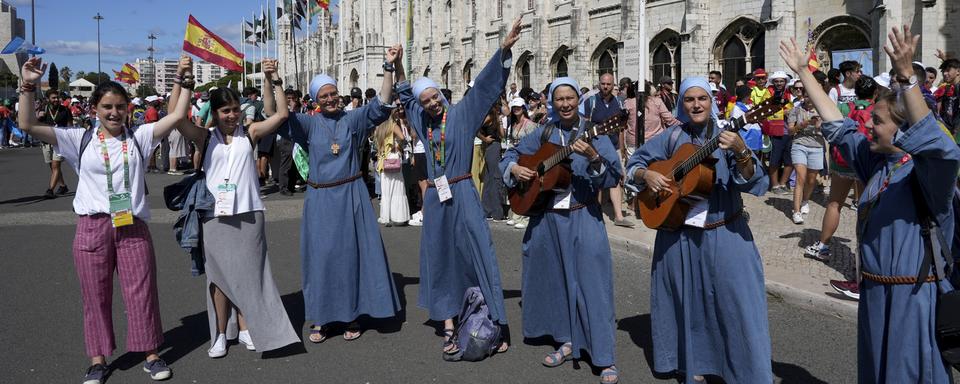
(781, 244)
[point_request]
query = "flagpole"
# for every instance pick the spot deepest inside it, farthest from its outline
(365, 43)
(323, 41)
(243, 49)
(342, 47)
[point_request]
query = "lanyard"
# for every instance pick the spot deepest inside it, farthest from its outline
(573, 135)
(106, 161)
(439, 155)
(864, 214)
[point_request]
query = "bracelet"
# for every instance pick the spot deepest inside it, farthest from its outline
(28, 87)
(595, 158)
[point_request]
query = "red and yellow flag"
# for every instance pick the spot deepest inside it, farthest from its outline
(325, 4)
(128, 74)
(812, 63)
(202, 43)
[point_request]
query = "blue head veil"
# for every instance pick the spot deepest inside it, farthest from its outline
(422, 84)
(695, 82)
(318, 82)
(568, 81)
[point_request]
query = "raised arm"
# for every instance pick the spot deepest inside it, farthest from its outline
(274, 103)
(32, 71)
(393, 56)
(902, 46)
(798, 62)
(186, 127)
(179, 114)
(492, 79)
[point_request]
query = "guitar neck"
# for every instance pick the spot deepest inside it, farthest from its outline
(706, 150)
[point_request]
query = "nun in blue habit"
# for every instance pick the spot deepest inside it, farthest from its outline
(896, 339)
(567, 271)
(708, 306)
(456, 249)
(345, 269)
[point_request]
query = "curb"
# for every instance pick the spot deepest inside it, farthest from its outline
(810, 301)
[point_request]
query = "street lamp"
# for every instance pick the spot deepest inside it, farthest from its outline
(98, 18)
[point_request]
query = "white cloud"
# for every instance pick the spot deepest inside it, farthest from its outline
(89, 47)
(229, 32)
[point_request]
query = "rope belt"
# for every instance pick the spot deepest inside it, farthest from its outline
(333, 184)
(571, 209)
(895, 280)
(452, 181)
(718, 224)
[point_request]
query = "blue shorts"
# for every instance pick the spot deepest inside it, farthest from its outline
(810, 157)
(780, 151)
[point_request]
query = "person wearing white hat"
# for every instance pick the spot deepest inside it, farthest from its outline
(776, 129)
(883, 80)
(518, 126)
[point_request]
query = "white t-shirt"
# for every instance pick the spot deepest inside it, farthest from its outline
(234, 164)
(92, 196)
(846, 95)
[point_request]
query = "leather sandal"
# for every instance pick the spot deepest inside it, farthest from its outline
(557, 358)
(449, 342)
(318, 334)
(610, 375)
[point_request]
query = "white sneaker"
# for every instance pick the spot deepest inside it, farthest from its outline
(511, 222)
(245, 339)
(805, 208)
(797, 218)
(415, 223)
(520, 226)
(219, 347)
(417, 216)
(383, 221)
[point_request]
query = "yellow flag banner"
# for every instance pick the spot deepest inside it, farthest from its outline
(204, 44)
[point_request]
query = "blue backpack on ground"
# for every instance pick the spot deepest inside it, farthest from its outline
(476, 335)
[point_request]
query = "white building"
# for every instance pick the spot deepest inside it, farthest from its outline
(160, 73)
(81, 87)
(452, 40)
(11, 26)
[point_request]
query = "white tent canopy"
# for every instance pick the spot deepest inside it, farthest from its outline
(81, 87)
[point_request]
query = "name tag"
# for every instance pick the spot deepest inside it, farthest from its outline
(563, 203)
(121, 209)
(443, 188)
(226, 200)
(697, 216)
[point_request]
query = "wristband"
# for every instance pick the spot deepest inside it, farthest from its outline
(28, 87)
(595, 158)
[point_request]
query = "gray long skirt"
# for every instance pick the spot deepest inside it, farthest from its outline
(236, 261)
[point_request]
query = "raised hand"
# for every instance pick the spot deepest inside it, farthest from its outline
(791, 54)
(269, 66)
(33, 70)
(185, 65)
(394, 54)
(941, 55)
(901, 48)
(513, 36)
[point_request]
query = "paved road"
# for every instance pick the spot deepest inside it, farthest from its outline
(42, 340)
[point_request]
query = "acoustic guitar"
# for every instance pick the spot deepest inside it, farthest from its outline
(552, 165)
(692, 174)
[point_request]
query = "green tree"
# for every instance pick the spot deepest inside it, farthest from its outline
(93, 78)
(65, 75)
(8, 79)
(54, 77)
(145, 90)
(81, 75)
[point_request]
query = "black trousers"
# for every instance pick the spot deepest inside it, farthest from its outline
(287, 173)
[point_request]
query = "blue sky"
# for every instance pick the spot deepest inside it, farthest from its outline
(67, 30)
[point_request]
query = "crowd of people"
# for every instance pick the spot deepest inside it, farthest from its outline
(447, 166)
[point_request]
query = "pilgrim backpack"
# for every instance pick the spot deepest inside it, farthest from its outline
(476, 335)
(937, 249)
(861, 115)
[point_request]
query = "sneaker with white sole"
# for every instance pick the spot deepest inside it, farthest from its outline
(511, 222)
(805, 208)
(96, 374)
(818, 250)
(219, 347)
(520, 226)
(157, 369)
(797, 218)
(244, 338)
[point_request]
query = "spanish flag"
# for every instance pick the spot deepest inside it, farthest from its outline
(325, 4)
(202, 43)
(812, 62)
(128, 74)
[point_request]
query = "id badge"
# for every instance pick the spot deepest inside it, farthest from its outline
(563, 203)
(226, 198)
(121, 209)
(443, 188)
